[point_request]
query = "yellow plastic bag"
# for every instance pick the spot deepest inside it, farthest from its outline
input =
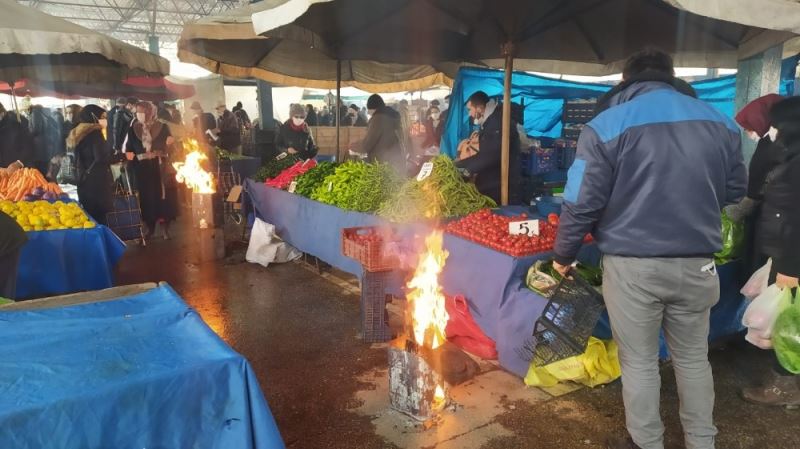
(597, 366)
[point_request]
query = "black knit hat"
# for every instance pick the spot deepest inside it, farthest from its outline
(375, 101)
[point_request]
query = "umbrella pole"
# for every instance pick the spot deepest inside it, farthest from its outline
(506, 141)
(339, 155)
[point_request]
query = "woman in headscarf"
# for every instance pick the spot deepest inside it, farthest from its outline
(774, 192)
(149, 147)
(92, 161)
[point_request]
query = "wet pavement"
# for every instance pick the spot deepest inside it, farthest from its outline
(300, 333)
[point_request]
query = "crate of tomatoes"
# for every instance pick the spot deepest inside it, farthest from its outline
(367, 244)
(492, 230)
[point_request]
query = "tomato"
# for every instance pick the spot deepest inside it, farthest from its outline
(553, 219)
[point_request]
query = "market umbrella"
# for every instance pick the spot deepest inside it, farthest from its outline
(582, 37)
(144, 88)
(773, 14)
(37, 46)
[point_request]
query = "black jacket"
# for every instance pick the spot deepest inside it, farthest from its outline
(16, 142)
(92, 160)
(119, 123)
(486, 164)
(778, 223)
(12, 237)
(302, 141)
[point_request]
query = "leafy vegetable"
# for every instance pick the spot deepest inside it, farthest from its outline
(442, 194)
(274, 167)
(357, 186)
(786, 337)
(310, 180)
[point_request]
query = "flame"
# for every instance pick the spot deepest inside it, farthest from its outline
(439, 397)
(426, 300)
(191, 171)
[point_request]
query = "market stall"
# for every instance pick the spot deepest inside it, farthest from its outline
(132, 366)
(492, 281)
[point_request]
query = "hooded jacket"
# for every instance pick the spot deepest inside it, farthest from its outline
(652, 172)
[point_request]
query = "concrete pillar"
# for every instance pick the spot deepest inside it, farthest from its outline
(152, 43)
(265, 105)
(756, 77)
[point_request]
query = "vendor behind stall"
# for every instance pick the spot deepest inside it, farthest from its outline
(294, 136)
(485, 164)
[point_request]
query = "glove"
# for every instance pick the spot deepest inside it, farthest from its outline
(743, 209)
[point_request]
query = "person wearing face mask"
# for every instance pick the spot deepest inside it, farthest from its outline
(294, 136)
(229, 135)
(92, 162)
(485, 165)
(774, 194)
(434, 128)
(148, 147)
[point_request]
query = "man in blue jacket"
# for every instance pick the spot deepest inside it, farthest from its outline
(652, 172)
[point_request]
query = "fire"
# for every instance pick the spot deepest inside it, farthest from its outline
(438, 396)
(426, 300)
(191, 171)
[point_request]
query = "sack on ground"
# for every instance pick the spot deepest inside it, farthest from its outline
(764, 310)
(266, 248)
(758, 282)
(598, 365)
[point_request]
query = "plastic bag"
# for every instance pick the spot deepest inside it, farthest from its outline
(764, 310)
(266, 248)
(786, 336)
(732, 240)
(598, 365)
(756, 338)
(758, 282)
(464, 332)
(540, 279)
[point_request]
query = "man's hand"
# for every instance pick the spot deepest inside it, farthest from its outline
(291, 150)
(563, 270)
(784, 281)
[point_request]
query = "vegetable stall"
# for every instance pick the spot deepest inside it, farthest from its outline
(487, 265)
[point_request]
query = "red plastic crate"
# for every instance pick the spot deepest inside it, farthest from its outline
(370, 253)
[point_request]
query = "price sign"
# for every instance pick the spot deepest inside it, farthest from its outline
(330, 186)
(281, 156)
(425, 171)
(292, 186)
(527, 227)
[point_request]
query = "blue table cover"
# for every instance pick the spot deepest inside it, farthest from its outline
(143, 371)
(68, 261)
(493, 282)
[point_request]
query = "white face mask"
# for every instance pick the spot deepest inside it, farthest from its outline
(435, 115)
(141, 116)
(753, 135)
(297, 121)
(773, 133)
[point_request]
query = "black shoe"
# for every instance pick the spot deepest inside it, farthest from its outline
(621, 443)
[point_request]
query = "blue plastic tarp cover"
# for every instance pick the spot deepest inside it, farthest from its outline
(67, 261)
(140, 372)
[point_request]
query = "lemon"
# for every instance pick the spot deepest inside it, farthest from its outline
(88, 225)
(27, 228)
(38, 228)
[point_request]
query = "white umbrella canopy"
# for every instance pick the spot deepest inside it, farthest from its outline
(577, 37)
(38, 46)
(781, 15)
(226, 44)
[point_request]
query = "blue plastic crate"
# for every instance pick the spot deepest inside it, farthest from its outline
(539, 162)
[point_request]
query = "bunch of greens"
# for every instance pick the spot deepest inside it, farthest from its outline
(357, 186)
(310, 180)
(274, 167)
(442, 194)
(786, 333)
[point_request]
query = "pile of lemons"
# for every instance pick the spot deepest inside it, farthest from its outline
(46, 216)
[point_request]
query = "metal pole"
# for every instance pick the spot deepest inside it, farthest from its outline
(508, 52)
(339, 157)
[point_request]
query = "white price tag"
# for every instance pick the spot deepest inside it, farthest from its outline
(292, 186)
(425, 171)
(281, 156)
(330, 186)
(527, 227)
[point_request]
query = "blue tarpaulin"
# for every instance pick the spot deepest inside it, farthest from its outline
(143, 371)
(67, 261)
(543, 98)
(492, 282)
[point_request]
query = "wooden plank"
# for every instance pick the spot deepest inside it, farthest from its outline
(109, 294)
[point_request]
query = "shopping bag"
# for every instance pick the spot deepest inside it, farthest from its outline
(756, 338)
(598, 365)
(464, 332)
(266, 248)
(758, 282)
(786, 335)
(764, 310)
(732, 240)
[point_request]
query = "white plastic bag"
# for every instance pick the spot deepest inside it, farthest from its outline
(756, 338)
(266, 248)
(758, 282)
(763, 311)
